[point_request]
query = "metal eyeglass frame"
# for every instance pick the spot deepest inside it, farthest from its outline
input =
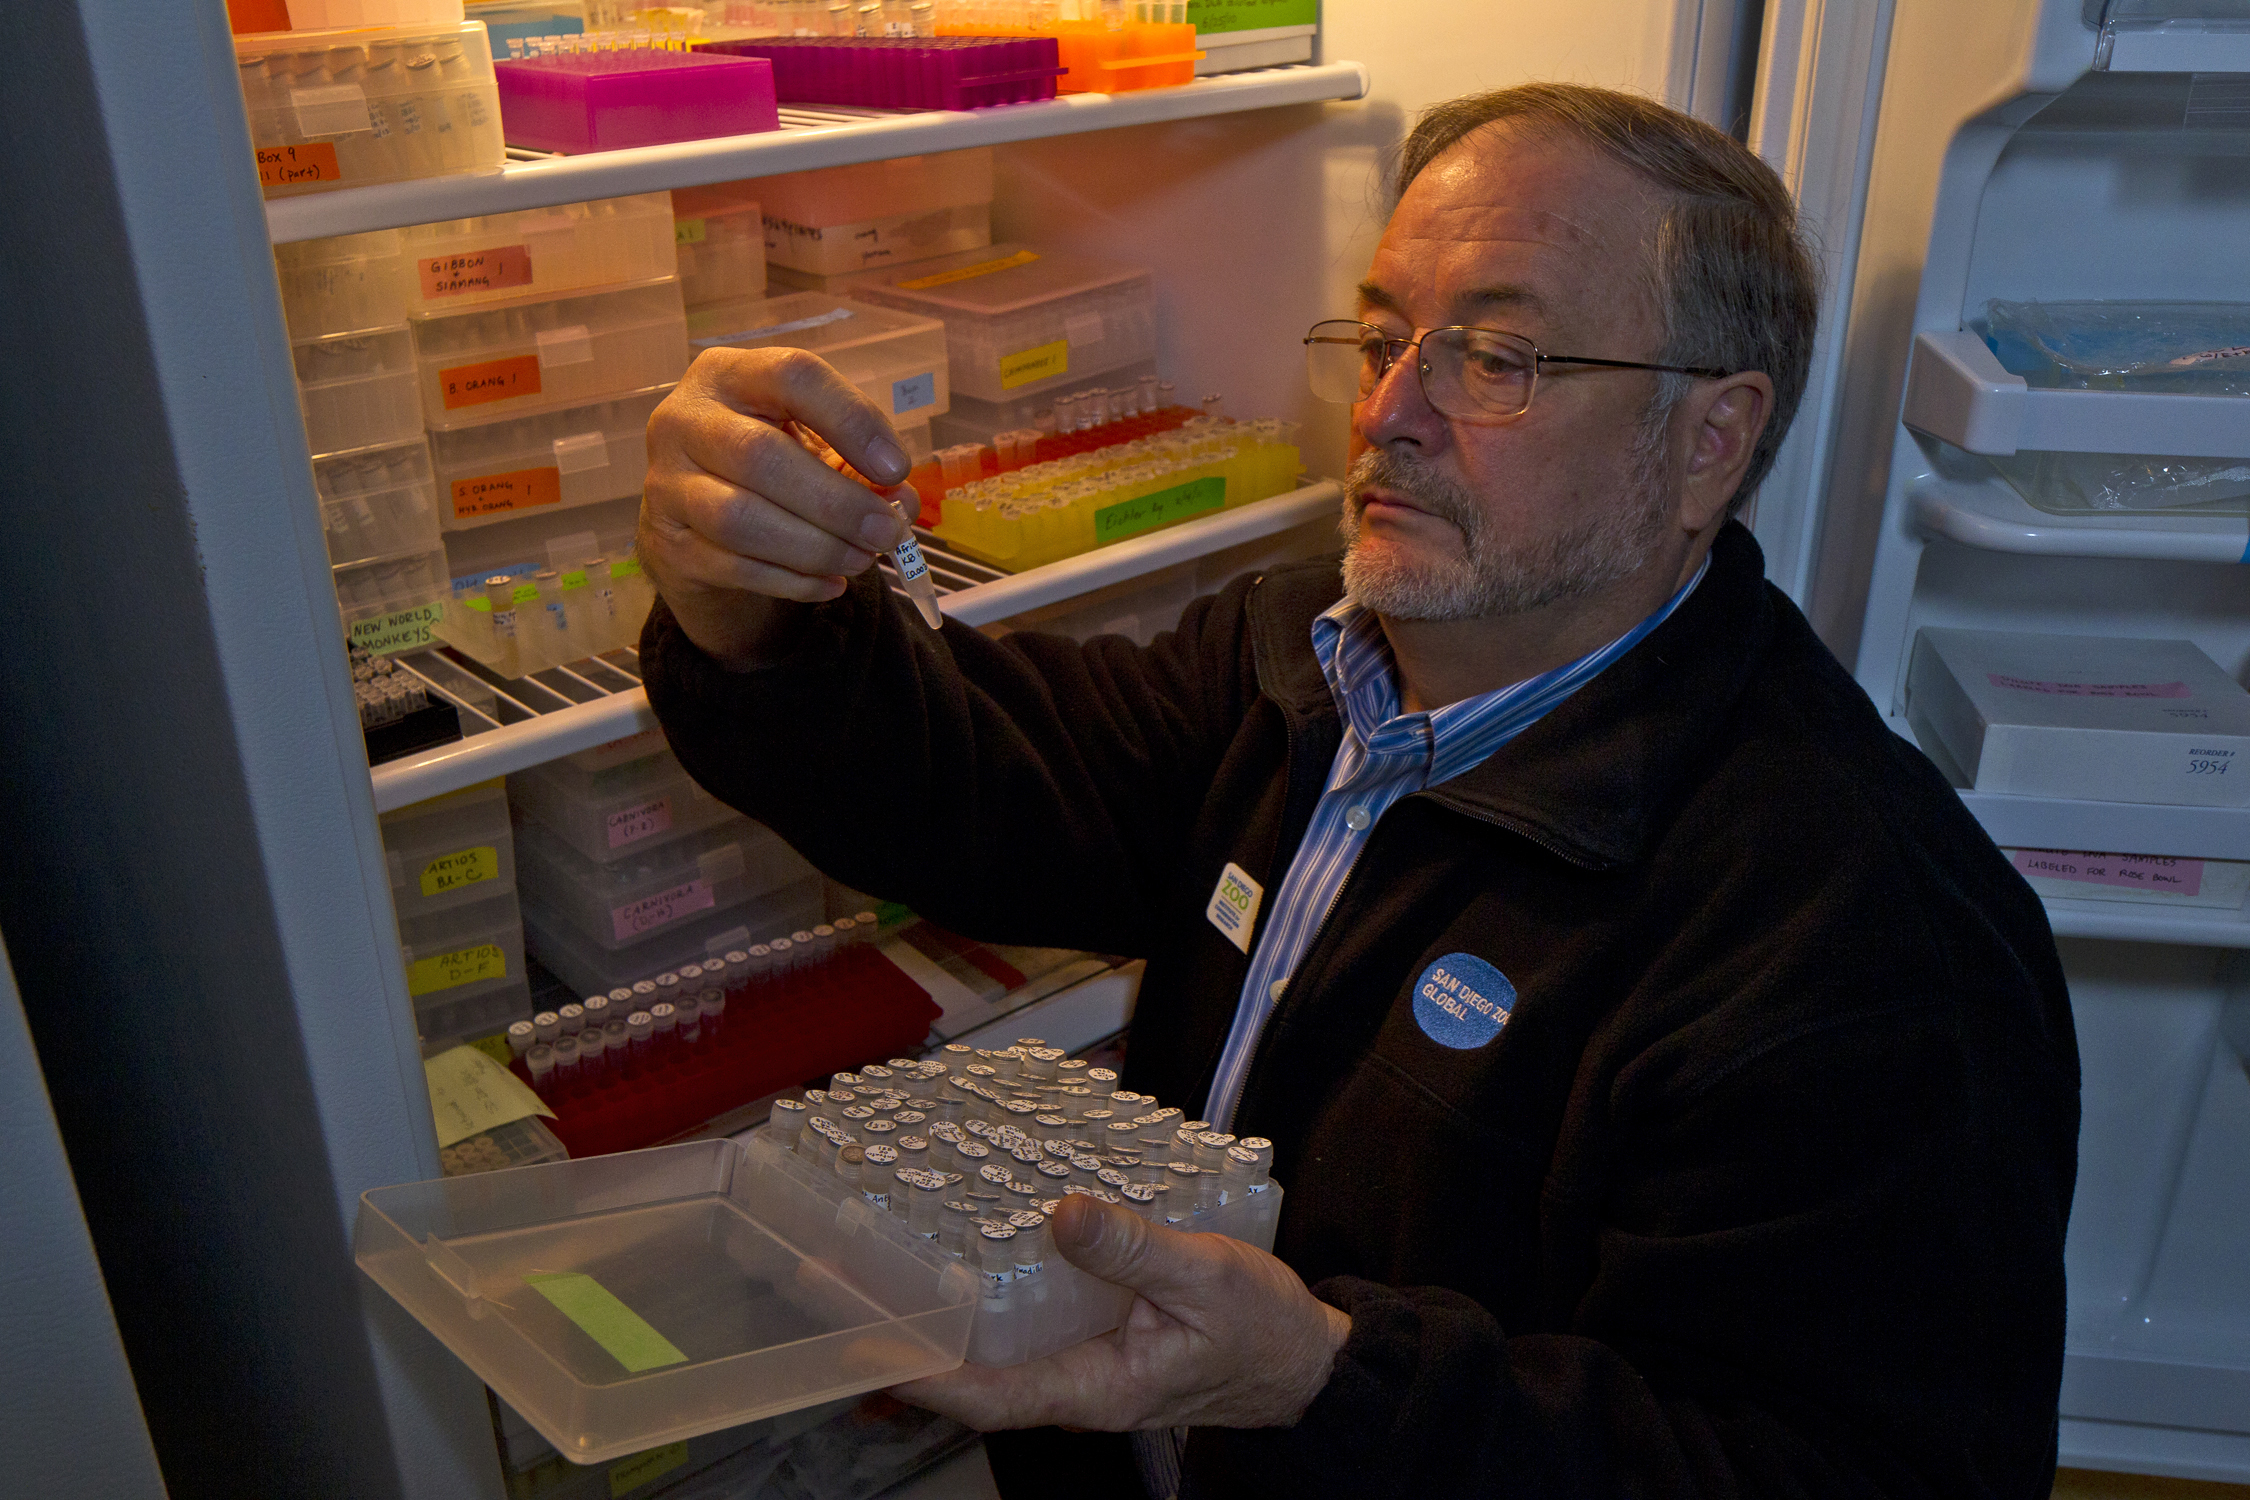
(1394, 347)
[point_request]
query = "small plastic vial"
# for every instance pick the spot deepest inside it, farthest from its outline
(1211, 1149)
(1140, 1197)
(996, 1254)
(1261, 1176)
(546, 1026)
(878, 1163)
(522, 1035)
(1057, 1175)
(566, 1061)
(540, 1060)
(1030, 1226)
(593, 1054)
(849, 1160)
(954, 1218)
(596, 1008)
(787, 1119)
(642, 1025)
(925, 1200)
(571, 1019)
(1182, 1180)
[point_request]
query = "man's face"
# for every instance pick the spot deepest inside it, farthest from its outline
(1453, 518)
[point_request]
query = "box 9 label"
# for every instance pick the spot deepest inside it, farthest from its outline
(1027, 365)
(493, 380)
(285, 166)
(1114, 523)
(445, 971)
(497, 494)
(475, 271)
(450, 872)
(651, 912)
(636, 823)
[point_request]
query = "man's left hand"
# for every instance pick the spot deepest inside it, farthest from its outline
(1220, 1335)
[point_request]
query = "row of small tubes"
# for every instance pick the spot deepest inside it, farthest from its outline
(978, 1155)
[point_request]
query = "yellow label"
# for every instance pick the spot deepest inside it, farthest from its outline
(445, 971)
(406, 630)
(495, 1047)
(687, 231)
(966, 273)
(450, 872)
(628, 1475)
(471, 1092)
(1027, 365)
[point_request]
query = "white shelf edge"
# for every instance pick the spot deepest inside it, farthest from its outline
(522, 745)
(2178, 47)
(1957, 390)
(646, 169)
(2132, 922)
(2112, 827)
(1988, 515)
(1088, 571)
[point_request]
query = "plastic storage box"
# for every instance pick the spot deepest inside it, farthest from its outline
(804, 252)
(591, 969)
(351, 107)
(483, 365)
(624, 1301)
(454, 850)
(358, 390)
(464, 970)
(603, 811)
(395, 603)
(897, 359)
(973, 421)
(719, 236)
(343, 284)
(648, 889)
(637, 96)
(2188, 348)
(557, 459)
(844, 219)
(1021, 322)
(377, 502)
(954, 72)
(541, 252)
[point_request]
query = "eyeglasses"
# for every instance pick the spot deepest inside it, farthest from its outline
(1465, 372)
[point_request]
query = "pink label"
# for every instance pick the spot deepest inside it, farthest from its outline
(2091, 689)
(639, 822)
(2140, 872)
(649, 912)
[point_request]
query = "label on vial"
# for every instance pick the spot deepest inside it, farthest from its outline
(285, 166)
(1026, 365)
(450, 872)
(475, 271)
(966, 273)
(401, 630)
(634, 823)
(492, 380)
(637, 917)
(2138, 872)
(445, 971)
(1462, 1002)
(913, 393)
(908, 556)
(498, 494)
(1234, 906)
(1114, 523)
(630, 1474)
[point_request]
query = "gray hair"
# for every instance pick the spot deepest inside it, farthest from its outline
(1736, 280)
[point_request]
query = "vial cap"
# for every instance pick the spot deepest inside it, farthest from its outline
(882, 1155)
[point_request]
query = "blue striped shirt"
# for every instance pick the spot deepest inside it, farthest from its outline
(1385, 754)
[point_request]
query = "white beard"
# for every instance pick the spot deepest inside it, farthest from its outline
(1488, 576)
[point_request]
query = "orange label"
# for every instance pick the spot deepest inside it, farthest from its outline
(315, 161)
(475, 271)
(494, 380)
(490, 494)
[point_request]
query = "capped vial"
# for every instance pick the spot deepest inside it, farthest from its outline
(1211, 1149)
(642, 1025)
(571, 1019)
(1234, 1174)
(1030, 1226)
(954, 1217)
(596, 1008)
(566, 1059)
(1181, 1177)
(540, 1060)
(1111, 1178)
(546, 1026)
(1261, 1175)
(849, 1162)
(996, 1254)
(994, 1173)
(1140, 1197)
(877, 1174)
(1057, 1175)
(623, 995)
(877, 1071)
(522, 1036)
(925, 1197)
(788, 1116)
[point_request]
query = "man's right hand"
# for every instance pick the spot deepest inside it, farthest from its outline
(738, 516)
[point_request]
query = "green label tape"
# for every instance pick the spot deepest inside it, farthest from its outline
(1114, 523)
(625, 567)
(574, 580)
(607, 1321)
(1251, 15)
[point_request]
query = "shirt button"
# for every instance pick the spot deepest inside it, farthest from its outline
(1273, 990)
(1356, 819)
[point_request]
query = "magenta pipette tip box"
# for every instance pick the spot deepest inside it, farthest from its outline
(607, 101)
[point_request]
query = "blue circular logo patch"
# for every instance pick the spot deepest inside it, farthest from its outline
(1462, 1002)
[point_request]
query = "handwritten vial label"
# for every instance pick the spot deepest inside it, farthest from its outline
(463, 867)
(1114, 523)
(2138, 872)
(286, 166)
(1462, 1002)
(636, 823)
(493, 380)
(475, 271)
(652, 912)
(1027, 365)
(498, 494)
(1234, 906)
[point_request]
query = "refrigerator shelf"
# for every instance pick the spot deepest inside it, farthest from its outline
(511, 724)
(807, 138)
(2124, 922)
(1988, 514)
(1957, 390)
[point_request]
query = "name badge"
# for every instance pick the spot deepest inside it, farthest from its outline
(1462, 1002)
(1234, 906)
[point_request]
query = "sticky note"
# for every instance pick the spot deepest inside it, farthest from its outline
(470, 1094)
(497, 494)
(1026, 365)
(608, 1322)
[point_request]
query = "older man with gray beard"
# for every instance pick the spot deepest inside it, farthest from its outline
(1674, 1088)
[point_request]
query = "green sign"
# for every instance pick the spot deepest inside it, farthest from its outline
(1251, 15)
(1114, 523)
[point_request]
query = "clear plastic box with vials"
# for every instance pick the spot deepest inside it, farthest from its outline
(897, 359)
(371, 593)
(836, 220)
(547, 460)
(350, 107)
(464, 970)
(621, 1302)
(538, 252)
(342, 284)
(719, 235)
(377, 502)
(1021, 322)
(357, 390)
(603, 811)
(646, 889)
(450, 851)
(590, 969)
(483, 364)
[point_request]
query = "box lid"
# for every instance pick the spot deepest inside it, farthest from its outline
(2091, 682)
(996, 279)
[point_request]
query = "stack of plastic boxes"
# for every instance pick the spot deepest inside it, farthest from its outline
(720, 237)
(542, 340)
(896, 359)
(1021, 327)
(839, 221)
(345, 302)
(453, 882)
(630, 868)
